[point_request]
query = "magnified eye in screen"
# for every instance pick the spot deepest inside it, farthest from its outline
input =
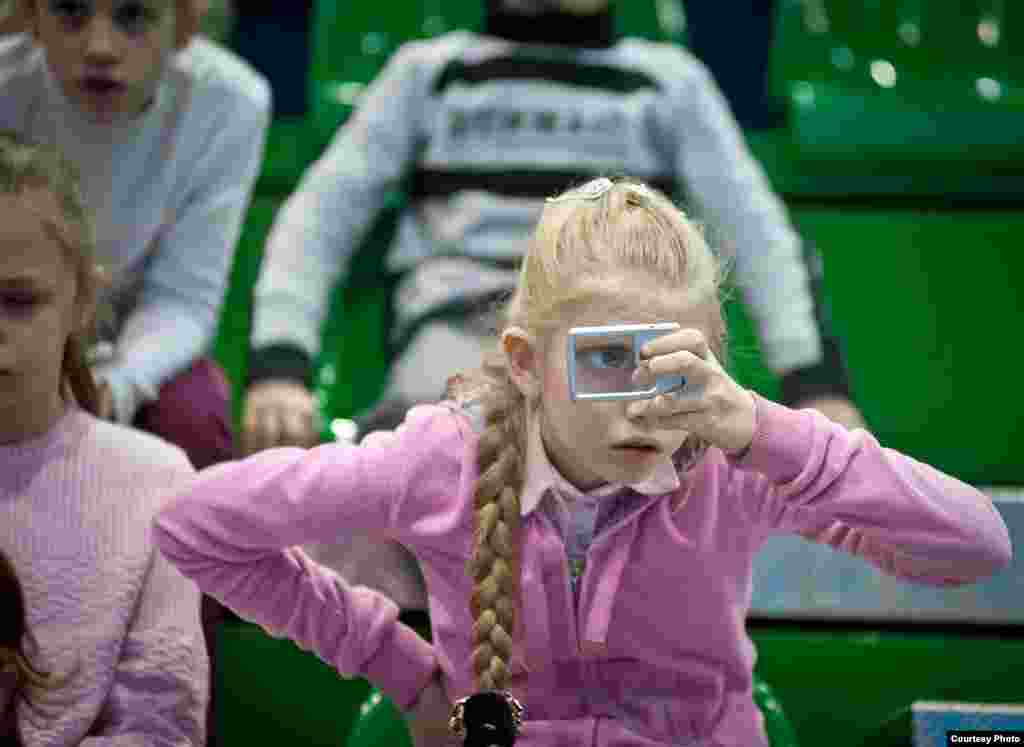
(602, 361)
(605, 364)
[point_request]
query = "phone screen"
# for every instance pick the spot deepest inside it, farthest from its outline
(605, 364)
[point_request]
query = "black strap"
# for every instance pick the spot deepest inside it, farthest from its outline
(530, 68)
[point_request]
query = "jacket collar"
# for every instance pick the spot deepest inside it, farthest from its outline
(541, 476)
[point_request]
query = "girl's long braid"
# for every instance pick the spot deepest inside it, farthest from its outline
(494, 564)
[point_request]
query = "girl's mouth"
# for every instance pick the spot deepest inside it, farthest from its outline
(637, 450)
(637, 445)
(101, 86)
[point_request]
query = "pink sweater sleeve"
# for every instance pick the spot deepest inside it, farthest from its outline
(842, 488)
(235, 531)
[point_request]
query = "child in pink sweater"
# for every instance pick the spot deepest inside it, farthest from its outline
(592, 559)
(116, 626)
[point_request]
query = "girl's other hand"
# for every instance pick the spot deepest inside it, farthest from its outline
(279, 412)
(712, 406)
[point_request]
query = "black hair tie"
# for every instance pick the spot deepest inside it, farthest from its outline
(491, 718)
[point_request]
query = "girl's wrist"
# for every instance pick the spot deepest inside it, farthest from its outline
(748, 429)
(738, 454)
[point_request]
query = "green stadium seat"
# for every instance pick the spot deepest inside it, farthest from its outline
(852, 685)
(917, 293)
(292, 146)
(273, 692)
(380, 723)
(896, 98)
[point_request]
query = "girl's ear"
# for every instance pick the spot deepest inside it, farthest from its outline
(523, 358)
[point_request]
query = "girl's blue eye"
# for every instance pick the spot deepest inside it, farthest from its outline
(612, 357)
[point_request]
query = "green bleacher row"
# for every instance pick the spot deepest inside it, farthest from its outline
(841, 687)
(912, 192)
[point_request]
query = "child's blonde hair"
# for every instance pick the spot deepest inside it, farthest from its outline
(582, 239)
(24, 166)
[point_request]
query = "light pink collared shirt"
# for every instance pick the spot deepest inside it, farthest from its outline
(541, 475)
(576, 512)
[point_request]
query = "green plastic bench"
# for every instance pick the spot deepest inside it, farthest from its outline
(842, 685)
(897, 98)
(848, 685)
(271, 692)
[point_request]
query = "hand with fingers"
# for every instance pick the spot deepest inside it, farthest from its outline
(279, 412)
(711, 406)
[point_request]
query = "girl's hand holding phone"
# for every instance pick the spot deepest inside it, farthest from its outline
(712, 406)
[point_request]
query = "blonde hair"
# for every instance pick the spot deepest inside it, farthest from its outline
(24, 166)
(581, 237)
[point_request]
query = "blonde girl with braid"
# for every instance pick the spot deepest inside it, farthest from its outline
(590, 561)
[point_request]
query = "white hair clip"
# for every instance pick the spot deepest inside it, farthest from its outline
(592, 190)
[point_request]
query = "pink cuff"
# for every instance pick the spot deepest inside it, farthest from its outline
(402, 667)
(782, 441)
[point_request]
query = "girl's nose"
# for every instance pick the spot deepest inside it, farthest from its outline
(635, 411)
(101, 41)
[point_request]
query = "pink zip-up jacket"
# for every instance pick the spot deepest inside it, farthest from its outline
(655, 651)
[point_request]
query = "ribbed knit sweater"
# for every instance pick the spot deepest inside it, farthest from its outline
(110, 614)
